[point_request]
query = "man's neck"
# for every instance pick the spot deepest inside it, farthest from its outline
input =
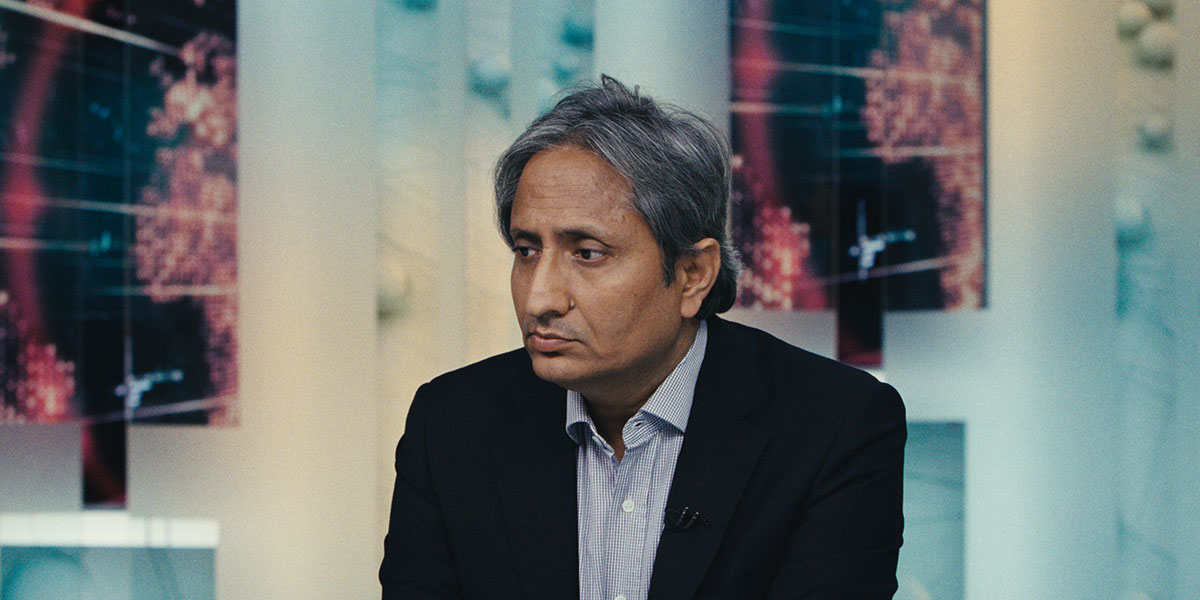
(611, 409)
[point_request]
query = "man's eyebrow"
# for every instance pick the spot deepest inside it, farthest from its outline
(573, 233)
(579, 233)
(521, 234)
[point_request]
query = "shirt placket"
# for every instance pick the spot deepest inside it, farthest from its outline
(595, 487)
(626, 522)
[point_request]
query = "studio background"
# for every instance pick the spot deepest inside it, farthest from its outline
(301, 486)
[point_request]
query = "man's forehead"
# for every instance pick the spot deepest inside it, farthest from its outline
(568, 181)
(572, 166)
(571, 216)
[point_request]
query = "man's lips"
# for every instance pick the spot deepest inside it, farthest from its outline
(546, 342)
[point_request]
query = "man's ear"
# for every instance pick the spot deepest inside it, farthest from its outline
(697, 269)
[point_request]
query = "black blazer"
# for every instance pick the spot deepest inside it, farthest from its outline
(795, 461)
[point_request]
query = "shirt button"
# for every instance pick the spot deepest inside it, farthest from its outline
(626, 506)
(620, 597)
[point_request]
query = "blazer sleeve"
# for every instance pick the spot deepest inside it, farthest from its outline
(847, 540)
(417, 560)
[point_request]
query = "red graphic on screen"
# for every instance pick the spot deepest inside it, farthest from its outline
(926, 92)
(118, 272)
(189, 241)
(777, 274)
(858, 147)
(45, 386)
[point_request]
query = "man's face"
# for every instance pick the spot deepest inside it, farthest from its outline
(587, 279)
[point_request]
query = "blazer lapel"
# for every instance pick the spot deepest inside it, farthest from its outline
(718, 455)
(536, 466)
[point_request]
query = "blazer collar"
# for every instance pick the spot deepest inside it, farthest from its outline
(719, 452)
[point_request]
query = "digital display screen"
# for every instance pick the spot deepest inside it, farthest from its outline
(858, 140)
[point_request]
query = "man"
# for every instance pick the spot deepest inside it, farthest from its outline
(639, 446)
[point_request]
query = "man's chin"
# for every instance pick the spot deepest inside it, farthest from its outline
(556, 368)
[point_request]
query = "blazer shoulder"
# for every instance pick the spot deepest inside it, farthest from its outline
(765, 349)
(798, 376)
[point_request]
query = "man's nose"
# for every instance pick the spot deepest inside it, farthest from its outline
(548, 294)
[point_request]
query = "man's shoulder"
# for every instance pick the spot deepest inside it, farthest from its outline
(761, 351)
(794, 383)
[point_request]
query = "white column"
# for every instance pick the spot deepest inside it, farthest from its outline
(452, 185)
(676, 50)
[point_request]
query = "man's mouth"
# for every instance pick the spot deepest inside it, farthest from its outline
(546, 342)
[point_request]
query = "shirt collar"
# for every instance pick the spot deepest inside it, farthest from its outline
(671, 402)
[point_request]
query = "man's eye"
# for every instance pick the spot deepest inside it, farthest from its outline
(524, 251)
(589, 253)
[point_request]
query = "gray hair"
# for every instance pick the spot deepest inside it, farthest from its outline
(676, 162)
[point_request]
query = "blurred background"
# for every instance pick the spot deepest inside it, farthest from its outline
(1053, 404)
